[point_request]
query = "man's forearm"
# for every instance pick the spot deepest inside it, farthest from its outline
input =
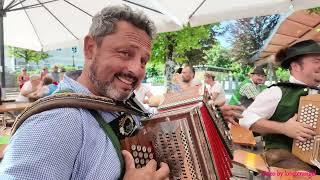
(265, 126)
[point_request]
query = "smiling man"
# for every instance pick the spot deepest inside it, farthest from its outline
(68, 143)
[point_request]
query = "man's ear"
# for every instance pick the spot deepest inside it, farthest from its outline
(89, 47)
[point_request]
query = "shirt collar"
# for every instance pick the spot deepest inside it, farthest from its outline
(70, 82)
(294, 80)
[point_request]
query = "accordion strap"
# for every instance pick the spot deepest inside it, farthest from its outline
(111, 135)
(294, 85)
(74, 100)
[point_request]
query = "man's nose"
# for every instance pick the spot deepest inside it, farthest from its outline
(136, 66)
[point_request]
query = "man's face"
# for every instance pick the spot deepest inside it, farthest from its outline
(258, 78)
(187, 74)
(309, 70)
(117, 67)
(207, 79)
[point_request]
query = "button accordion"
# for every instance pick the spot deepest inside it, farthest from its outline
(188, 134)
(308, 113)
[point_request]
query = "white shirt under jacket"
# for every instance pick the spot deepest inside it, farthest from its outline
(265, 105)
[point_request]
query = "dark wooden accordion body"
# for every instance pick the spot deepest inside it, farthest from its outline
(309, 113)
(190, 136)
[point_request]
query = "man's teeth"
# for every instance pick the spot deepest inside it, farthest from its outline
(126, 81)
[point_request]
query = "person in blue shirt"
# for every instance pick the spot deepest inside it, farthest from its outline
(68, 143)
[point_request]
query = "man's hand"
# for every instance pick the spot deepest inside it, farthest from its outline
(231, 113)
(149, 172)
(296, 130)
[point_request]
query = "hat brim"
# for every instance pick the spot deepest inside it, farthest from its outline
(288, 60)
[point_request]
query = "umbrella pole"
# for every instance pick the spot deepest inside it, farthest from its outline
(2, 69)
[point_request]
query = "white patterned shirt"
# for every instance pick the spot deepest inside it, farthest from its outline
(64, 143)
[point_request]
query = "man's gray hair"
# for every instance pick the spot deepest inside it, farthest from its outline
(103, 23)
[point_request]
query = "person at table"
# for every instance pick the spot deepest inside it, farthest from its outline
(29, 88)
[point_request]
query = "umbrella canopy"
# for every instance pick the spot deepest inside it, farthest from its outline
(50, 24)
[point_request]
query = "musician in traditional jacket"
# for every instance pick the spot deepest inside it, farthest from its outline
(248, 90)
(273, 113)
(72, 143)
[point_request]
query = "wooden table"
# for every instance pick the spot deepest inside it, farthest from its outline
(6, 108)
(13, 106)
(242, 136)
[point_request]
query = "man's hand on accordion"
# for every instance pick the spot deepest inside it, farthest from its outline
(231, 113)
(297, 130)
(149, 172)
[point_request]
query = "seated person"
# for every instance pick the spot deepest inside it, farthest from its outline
(188, 80)
(247, 91)
(273, 112)
(215, 89)
(47, 87)
(143, 94)
(29, 88)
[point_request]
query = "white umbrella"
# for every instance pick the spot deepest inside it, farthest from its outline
(50, 24)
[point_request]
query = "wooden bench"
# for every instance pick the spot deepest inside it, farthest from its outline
(253, 162)
(6, 108)
(242, 136)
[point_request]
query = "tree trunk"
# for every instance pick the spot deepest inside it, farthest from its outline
(169, 64)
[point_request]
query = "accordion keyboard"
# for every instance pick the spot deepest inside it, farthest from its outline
(309, 110)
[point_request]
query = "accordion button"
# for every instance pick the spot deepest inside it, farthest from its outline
(138, 148)
(150, 156)
(133, 147)
(149, 149)
(146, 155)
(136, 160)
(140, 154)
(144, 149)
(138, 166)
(135, 154)
(142, 161)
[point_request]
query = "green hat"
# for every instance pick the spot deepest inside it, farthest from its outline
(300, 48)
(258, 70)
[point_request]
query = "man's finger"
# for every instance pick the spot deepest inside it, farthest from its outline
(151, 166)
(305, 135)
(163, 172)
(301, 139)
(237, 115)
(309, 131)
(232, 121)
(307, 126)
(128, 159)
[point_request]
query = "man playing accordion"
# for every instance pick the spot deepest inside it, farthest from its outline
(273, 113)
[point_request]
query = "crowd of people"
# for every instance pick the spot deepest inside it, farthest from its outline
(70, 143)
(38, 85)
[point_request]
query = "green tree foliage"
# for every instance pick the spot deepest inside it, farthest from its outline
(171, 47)
(221, 57)
(249, 34)
(27, 54)
(314, 10)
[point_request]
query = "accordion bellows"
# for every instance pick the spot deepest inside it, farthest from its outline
(309, 113)
(189, 135)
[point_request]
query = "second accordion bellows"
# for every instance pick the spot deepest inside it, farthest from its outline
(190, 136)
(309, 113)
